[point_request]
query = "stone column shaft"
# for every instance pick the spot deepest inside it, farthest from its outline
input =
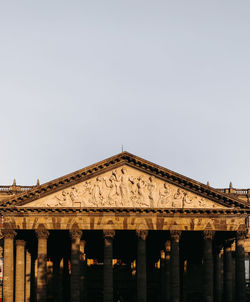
(108, 267)
(167, 269)
(208, 282)
(41, 289)
(163, 276)
(240, 268)
(1, 263)
(228, 272)
(28, 277)
(20, 271)
(141, 267)
(75, 266)
(8, 271)
(218, 269)
(175, 267)
(82, 270)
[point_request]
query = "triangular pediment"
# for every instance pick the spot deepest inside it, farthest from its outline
(124, 181)
(124, 187)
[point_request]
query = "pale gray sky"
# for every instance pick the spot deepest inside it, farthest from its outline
(170, 80)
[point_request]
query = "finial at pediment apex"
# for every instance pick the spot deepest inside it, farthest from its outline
(124, 187)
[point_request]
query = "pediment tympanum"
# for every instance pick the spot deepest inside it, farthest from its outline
(124, 187)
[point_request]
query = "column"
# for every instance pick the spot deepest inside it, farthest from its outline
(41, 289)
(167, 268)
(218, 268)
(20, 270)
(28, 277)
(175, 266)
(163, 276)
(1, 263)
(82, 270)
(141, 266)
(108, 268)
(8, 270)
(240, 267)
(228, 272)
(57, 280)
(75, 265)
(208, 281)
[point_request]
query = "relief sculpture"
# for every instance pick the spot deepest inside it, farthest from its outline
(125, 187)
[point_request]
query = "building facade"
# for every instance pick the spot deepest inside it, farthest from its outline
(124, 229)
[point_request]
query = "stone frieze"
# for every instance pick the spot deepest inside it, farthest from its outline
(124, 187)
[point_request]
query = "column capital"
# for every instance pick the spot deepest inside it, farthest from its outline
(75, 233)
(20, 242)
(9, 233)
(109, 234)
(175, 235)
(42, 233)
(142, 234)
(208, 234)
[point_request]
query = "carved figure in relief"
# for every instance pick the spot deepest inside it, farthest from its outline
(143, 199)
(96, 193)
(178, 199)
(165, 194)
(113, 195)
(124, 187)
(83, 193)
(188, 200)
(63, 199)
(201, 202)
(152, 188)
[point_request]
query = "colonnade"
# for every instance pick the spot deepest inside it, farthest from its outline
(18, 287)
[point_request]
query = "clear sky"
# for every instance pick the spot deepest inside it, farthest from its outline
(170, 80)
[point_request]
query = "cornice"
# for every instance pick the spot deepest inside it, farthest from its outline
(18, 211)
